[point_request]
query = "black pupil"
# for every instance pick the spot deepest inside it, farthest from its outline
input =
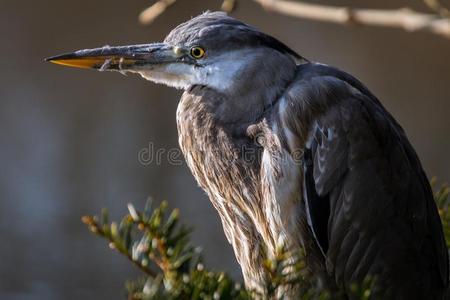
(197, 52)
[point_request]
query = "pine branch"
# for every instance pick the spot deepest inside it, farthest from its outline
(110, 233)
(154, 236)
(442, 199)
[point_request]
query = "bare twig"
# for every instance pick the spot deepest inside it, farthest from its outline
(438, 7)
(228, 5)
(151, 13)
(406, 19)
(402, 18)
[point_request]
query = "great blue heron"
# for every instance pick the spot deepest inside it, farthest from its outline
(294, 152)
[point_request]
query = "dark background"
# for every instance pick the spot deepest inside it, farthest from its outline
(69, 139)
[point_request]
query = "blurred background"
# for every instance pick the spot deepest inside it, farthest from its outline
(70, 139)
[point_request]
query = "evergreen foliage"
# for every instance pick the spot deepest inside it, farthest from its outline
(155, 242)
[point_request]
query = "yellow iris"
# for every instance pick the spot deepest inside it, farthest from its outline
(197, 52)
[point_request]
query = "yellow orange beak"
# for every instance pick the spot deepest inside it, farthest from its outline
(89, 62)
(120, 58)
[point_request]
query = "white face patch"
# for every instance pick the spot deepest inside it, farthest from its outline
(221, 74)
(177, 75)
(218, 73)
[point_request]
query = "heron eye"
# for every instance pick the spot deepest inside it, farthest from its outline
(197, 52)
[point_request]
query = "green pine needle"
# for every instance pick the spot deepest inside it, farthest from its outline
(155, 242)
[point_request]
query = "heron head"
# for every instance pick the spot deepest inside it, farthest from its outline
(211, 49)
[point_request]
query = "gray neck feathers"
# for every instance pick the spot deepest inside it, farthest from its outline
(254, 88)
(212, 128)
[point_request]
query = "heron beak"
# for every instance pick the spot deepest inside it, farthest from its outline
(120, 58)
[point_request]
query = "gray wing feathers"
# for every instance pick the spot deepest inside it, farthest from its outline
(382, 218)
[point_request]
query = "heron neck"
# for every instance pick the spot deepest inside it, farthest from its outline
(253, 90)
